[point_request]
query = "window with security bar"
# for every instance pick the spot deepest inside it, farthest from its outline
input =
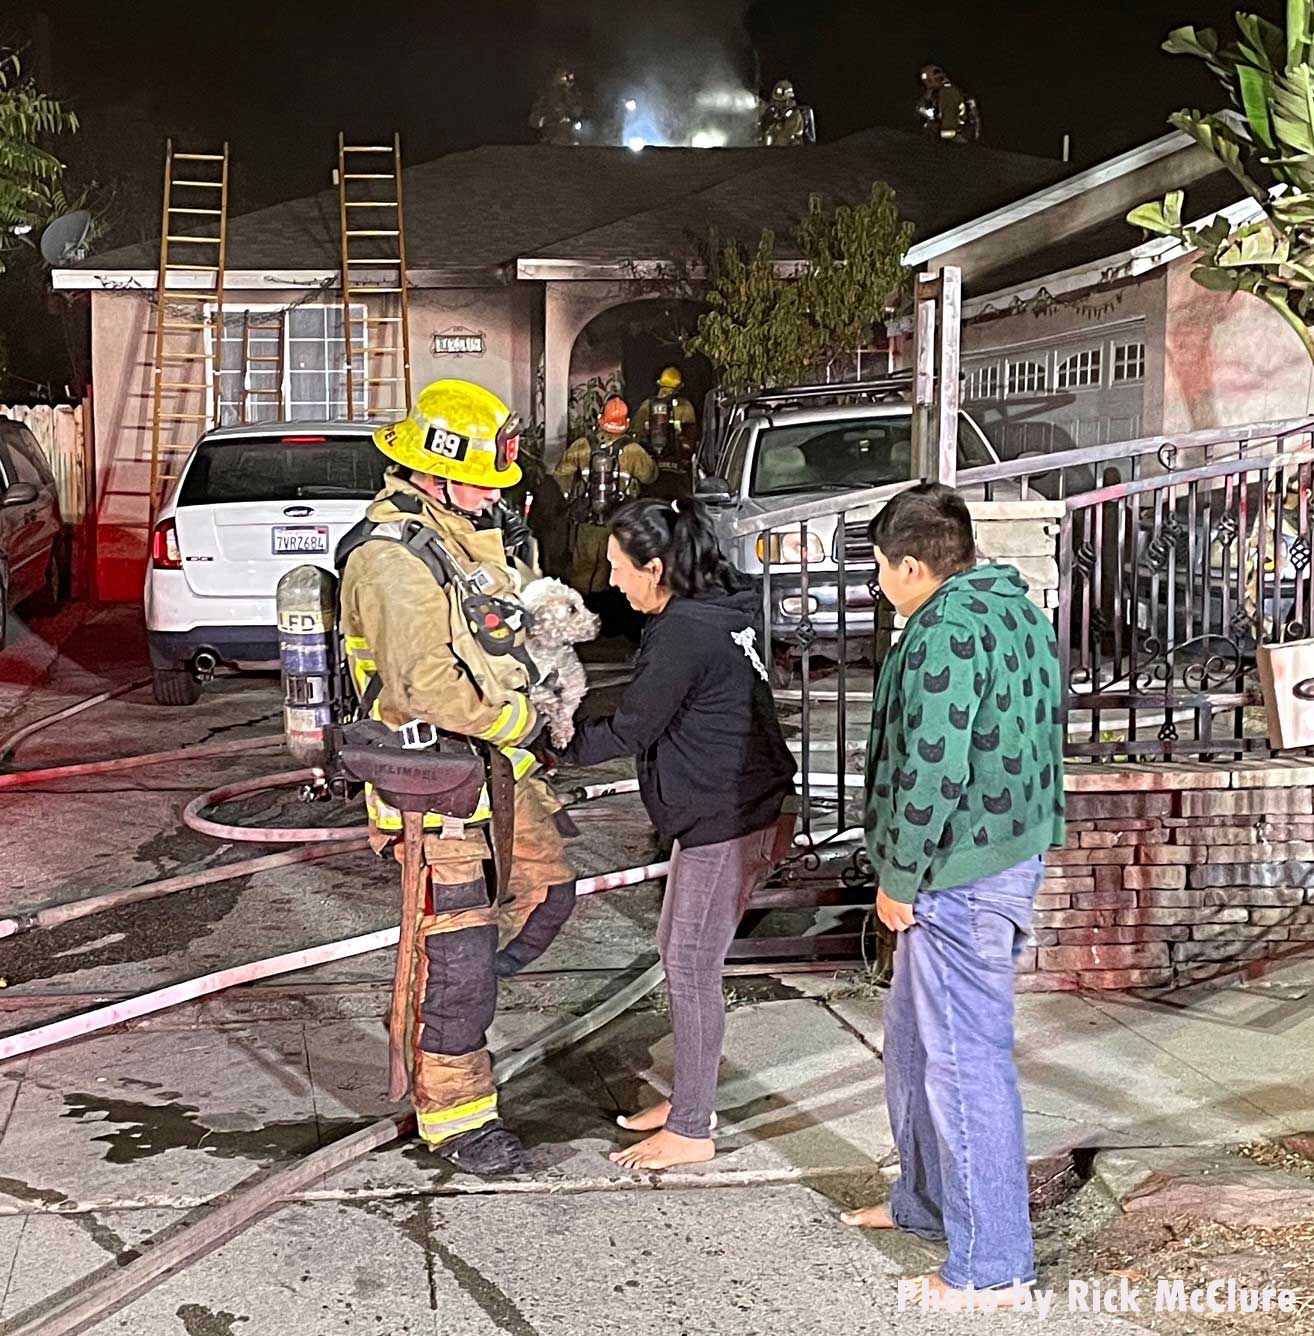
(1079, 370)
(1128, 362)
(283, 364)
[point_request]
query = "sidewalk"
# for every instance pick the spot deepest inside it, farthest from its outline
(132, 1131)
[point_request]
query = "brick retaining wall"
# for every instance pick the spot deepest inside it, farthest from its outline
(1177, 872)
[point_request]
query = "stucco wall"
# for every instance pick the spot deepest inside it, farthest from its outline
(1228, 359)
(505, 317)
(1144, 298)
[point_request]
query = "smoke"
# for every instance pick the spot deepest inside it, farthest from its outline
(680, 73)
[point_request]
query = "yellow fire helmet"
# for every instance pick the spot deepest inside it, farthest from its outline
(671, 378)
(457, 430)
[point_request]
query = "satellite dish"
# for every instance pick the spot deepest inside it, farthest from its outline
(66, 238)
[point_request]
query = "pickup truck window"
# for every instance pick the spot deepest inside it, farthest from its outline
(820, 455)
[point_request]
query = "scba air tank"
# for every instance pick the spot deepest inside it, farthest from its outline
(308, 654)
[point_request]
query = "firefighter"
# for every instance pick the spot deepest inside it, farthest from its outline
(783, 122)
(946, 112)
(434, 643)
(558, 113)
(597, 473)
(667, 425)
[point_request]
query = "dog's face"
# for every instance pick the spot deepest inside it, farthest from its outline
(560, 617)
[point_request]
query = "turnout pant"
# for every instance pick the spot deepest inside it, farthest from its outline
(459, 936)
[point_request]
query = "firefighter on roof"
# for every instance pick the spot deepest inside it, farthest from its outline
(945, 111)
(784, 122)
(434, 641)
(597, 473)
(558, 112)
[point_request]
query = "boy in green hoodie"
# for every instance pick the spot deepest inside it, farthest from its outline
(964, 794)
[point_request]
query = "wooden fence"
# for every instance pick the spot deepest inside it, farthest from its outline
(61, 431)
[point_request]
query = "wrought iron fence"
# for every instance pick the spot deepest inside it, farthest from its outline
(1170, 585)
(1169, 579)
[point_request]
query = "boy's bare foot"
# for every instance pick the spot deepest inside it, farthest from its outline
(664, 1150)
(650, 1119)
(870, 1217)
(936, 1295)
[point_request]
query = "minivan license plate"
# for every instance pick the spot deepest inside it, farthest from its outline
(289, 540)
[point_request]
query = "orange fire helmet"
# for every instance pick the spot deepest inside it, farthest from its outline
(615, 418)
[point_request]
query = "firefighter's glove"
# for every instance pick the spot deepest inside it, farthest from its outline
(516, 536)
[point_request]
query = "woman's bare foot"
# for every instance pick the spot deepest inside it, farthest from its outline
(646, 1120)
(650, 1119)
(870, 1217)
(664, 1150)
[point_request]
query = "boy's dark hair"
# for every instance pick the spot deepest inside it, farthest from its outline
(929, 522)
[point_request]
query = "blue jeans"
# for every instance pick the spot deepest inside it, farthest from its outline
(951, 1082)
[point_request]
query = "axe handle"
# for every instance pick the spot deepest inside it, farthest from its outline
(399, 1078)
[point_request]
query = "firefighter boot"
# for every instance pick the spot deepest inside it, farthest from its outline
(491, 1151)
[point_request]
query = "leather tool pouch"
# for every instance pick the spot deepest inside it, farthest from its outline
(446, 778)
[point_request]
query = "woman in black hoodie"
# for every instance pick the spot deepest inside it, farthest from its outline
(714, 774)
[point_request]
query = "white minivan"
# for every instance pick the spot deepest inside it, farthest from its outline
(251, 503)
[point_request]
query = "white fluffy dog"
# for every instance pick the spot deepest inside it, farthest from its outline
(561, 621)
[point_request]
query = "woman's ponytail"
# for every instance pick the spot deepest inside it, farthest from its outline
(680, 534)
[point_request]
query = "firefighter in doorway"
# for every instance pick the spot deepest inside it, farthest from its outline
(436, 651)
(668, 426)
(597, 473)
(946, 112)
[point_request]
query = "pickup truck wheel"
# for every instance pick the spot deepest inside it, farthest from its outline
(171, 686)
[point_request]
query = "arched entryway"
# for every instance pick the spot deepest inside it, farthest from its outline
(623, 350)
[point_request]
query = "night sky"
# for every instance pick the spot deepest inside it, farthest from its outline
(279, 78)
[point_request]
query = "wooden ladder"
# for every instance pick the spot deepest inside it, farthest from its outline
(188, 310)
(372, 221)
(259, 367)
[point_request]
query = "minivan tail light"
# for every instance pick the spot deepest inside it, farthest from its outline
(165, 553)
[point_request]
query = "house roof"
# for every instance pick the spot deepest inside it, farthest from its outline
(470, 217)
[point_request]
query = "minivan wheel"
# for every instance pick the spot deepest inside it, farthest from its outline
(170, 686)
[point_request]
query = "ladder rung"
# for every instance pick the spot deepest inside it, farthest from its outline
(373, 232)
(184, 357)
(209, 185)
(381, 320)
(354, 291)
(370, 203)
(189, 386)
(185, 417)
(367, 148)
(204, 213)
(383, 380)
(176, 325)
(378, 264)
(367, 176)
(264, 357)
(194, 268)
(198, 157)
(195, 241)
(189, 294)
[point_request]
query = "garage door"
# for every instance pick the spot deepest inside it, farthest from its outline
(1059, 394)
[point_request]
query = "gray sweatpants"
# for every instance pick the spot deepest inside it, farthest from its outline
(707, 891)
